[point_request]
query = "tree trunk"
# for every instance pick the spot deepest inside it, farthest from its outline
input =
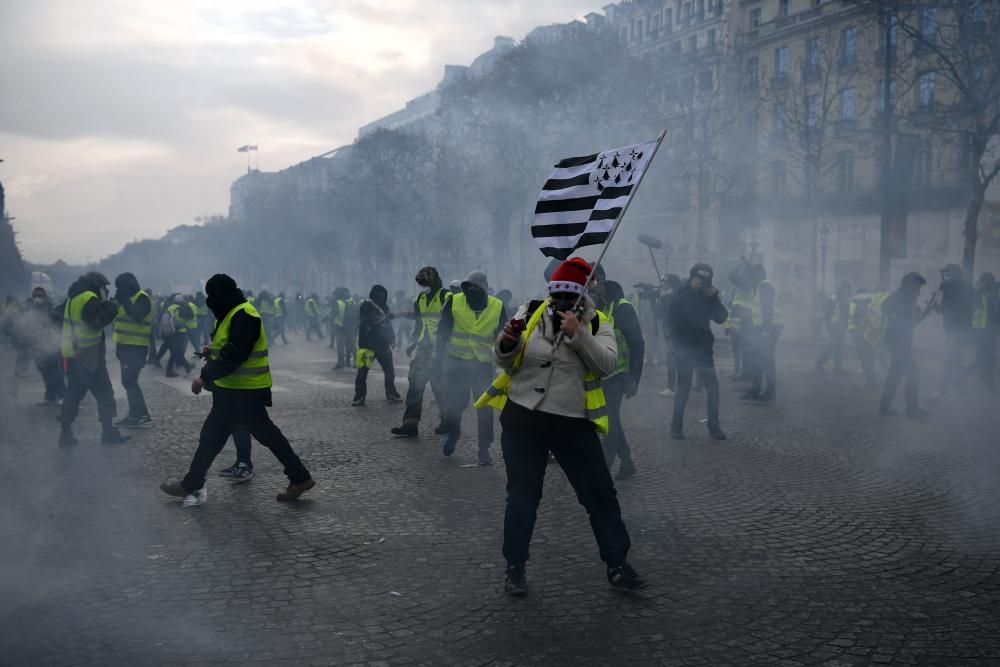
(972, 230)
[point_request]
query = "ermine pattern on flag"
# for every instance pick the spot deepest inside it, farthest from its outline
(583, 197)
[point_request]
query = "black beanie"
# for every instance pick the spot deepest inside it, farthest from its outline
(220, 286)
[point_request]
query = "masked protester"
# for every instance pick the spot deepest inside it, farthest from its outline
(239, 376)
(427, 316)
(693, 308)
(131, 335)
(469, 323)
(767, 325)
(551, 400)
(87, 312)
(956, 315)
(376, 339)
(902, 315)
(623, 382)
(985, 327)
(44, 323)
(312, 317)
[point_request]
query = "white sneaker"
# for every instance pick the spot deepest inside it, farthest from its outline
(667, 393)
(199, 497)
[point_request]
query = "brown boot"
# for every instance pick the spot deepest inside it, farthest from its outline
(295, 490)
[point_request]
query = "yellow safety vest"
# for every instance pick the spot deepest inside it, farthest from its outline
(279, 307)
(851, 310)
(181, 325)
(76, 334)
(129, 332)
(980, 315)
(200, 310)
(758, 319)
(471, 336)
(430, 313)
(266, 307)
(495, 395)
(874, 324)
(623, 359)
(338, 319)
(254, 373)
(744, 299)
(311, 308)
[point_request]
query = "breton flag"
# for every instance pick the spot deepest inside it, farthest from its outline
(246, 149)
(584, 197)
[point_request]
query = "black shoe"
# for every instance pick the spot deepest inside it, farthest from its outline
(405, 431)
(624, 577)
(358, 402)
(394, 398)
(676, 433)
(515, 585)
(716, 433)
(230, 471)
(67, 439)
(243, 473)
(917, 413)
(448, 444)
(625, 471)
(112, 436)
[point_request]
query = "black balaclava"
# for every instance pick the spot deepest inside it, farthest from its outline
(380, 296)
(223, 295)
(127, 285)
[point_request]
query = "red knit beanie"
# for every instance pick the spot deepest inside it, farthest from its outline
(570, 276)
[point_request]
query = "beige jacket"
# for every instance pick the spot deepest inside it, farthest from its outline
(551, 379)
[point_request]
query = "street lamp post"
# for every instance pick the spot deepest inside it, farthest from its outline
(824, 237)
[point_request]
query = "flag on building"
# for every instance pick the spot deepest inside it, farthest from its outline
(243, 149)
(584, 196)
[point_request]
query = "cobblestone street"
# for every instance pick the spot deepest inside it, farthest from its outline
(819, 533)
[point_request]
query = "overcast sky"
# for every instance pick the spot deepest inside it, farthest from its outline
(120, 119)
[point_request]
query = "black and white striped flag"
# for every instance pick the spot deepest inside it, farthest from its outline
(584, 196)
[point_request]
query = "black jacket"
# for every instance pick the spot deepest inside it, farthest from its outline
(375, 326)
(691, 312)
(956, 305)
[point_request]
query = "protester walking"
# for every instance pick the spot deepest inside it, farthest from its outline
(375, 341)
(131, 335)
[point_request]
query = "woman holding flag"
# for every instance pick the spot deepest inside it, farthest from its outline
(552, 357)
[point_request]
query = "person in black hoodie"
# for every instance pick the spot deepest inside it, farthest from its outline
(375, 341)
(131, 333)
(956, 314)
(231, 357)
(694, 307)
(87, 312)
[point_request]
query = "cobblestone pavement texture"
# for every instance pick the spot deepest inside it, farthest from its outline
(818, 533)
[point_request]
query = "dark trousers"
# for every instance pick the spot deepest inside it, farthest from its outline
(986, 357)
(383, 355)
(345, 346)
(241, 438)
(312, 324)
(615, 443)
(688, 362)
(422, 371)
(866, 355)
(526, 440)
(231, 409)
(954, 362)
(176, 343)
(466, 380)
(204, 330)
(132, 358)
(765, 371)
(902, 365)
(835, 349)
(279, 330)
(50, 368)
(671, 364)
(84, 376)
(735, 342)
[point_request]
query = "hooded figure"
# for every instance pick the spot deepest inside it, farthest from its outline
(132, 329)
(470, 321)
(902, 316)
(375, 341)
(86, 313)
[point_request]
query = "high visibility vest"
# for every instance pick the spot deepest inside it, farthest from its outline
(266, 307)
(76, 334)
(190, 322)
(200, 310)
(980, 316)
(129, 332)
(758, 319)
(430, 313)
(623, 355)
(254, 373)
(181, 325)
(741, 298)
(311, 308)
(851, 311)
(471, 336)
(279, 307)
(338, 319)
(495, 395)
(874, 324)
(835, 315)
